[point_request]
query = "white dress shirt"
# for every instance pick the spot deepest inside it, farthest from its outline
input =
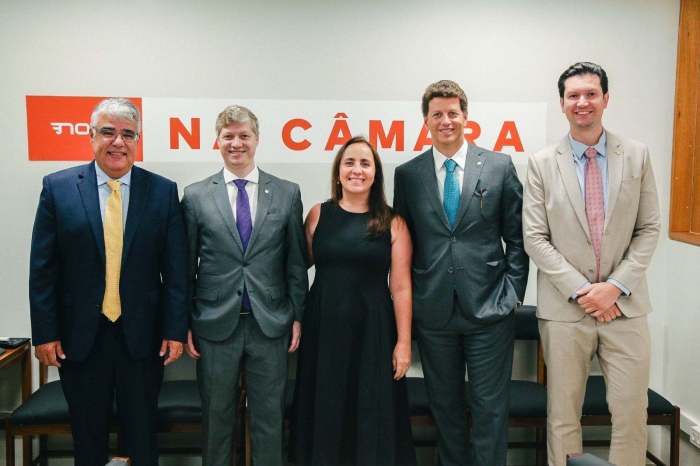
(251, 188)
(440, 171)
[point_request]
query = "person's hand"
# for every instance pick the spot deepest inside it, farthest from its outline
(401, 359)
(50, 353)
(172, 348)
(296, 337)
(607, 315)
(598, 297)
(191, 348)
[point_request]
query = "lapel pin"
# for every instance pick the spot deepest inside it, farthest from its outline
(267, 191)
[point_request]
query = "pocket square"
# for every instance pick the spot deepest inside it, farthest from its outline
(480, 192)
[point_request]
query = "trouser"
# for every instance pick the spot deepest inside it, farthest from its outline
(90, 387)
(487, 351)
(218, 369)
(623, 350)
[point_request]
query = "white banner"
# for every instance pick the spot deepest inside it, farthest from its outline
(311, 131)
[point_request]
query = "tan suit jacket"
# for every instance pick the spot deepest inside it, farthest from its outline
(557, 236)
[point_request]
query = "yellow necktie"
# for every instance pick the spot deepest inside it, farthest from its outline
(114, 242)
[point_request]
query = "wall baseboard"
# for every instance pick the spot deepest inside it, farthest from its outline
(687, 422)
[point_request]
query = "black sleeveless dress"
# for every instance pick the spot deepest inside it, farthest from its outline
(348, 410)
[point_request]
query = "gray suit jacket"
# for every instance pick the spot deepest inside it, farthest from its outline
(557, 234)
(273, 267)
(469, 260)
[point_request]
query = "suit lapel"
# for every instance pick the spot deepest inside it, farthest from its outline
(218, 191)
(566, 164)
(472, 171)
(87, 187)
(615, 153)
(426, 171)
(264, 202)
(138, 194)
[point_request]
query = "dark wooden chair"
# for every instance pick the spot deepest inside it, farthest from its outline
(528, 398)
(45, 413)
(528, 407)
(595, 411)
(660, 412)
(529, 404)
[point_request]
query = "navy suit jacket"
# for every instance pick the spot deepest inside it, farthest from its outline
(67, 265)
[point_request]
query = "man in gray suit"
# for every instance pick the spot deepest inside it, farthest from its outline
(461, 203)
(248, 276)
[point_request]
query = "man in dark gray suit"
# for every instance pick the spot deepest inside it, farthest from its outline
(248, 276)
(461, 204)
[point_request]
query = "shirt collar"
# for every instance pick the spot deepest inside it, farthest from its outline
(460, 157)
(579, 148)
(103, 178)
(252, 177)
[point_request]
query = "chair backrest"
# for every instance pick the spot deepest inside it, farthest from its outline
(526, 323)
(526, 328)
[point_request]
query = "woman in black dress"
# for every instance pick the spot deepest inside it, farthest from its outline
(351, 407)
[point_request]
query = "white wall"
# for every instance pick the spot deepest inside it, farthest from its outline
(500, 51)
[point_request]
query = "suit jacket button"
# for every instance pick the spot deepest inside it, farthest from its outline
(450, 270)
(453, 239)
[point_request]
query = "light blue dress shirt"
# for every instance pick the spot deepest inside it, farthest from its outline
(578, 150)
(105, 191)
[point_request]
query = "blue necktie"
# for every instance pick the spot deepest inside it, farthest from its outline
(244, 224)
(450, 199)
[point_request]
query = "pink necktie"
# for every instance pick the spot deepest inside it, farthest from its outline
(595, 207)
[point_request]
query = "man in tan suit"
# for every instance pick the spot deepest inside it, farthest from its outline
(591, 224)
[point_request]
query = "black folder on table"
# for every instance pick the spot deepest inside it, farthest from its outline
(8, 343)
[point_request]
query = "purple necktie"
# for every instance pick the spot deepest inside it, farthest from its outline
(244, 224)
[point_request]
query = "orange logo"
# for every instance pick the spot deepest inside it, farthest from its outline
(58, 127)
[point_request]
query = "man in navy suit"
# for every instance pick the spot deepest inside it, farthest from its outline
(107, 287)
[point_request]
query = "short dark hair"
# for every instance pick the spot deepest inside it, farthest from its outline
(444, 88)
(583, 67)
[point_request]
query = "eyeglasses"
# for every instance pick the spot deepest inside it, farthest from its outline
(127, 135)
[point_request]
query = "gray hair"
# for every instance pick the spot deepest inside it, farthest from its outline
(118, 107)
(236, 114)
